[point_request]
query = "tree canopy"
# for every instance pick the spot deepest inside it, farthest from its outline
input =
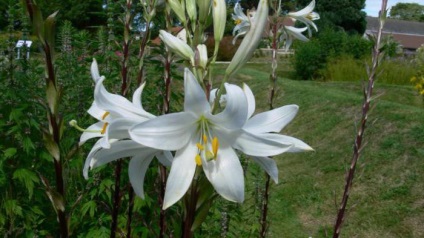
(408, 12)
(339, 14)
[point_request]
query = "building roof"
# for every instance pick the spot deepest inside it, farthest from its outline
(408, 33)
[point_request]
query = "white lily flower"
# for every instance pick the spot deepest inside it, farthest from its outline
(242, 21)
(306, 16)
(266, 126)
(203, 139)
(289, 33)
(116, 115)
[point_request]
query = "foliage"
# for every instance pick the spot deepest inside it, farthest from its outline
(407, 12)
(340, 14)
(312, 57)
(418, 78)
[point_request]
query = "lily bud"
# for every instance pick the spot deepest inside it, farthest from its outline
(219, 14)
(179, 10)
(201, 56)
(177, 46)
(191, 10)
(204, 9)
(251, 40)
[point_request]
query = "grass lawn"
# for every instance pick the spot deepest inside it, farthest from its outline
(388, 192)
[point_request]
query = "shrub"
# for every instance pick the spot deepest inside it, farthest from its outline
(311, 58)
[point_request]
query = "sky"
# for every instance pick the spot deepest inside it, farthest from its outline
(373, 6)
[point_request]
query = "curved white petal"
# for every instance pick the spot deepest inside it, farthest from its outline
(251, 104)
(116, 104)
(195, 100)
(96, 112)
(95, 75)
(234, 115)
(271, 121)
(118, 129)
(136, 99)
(89, 135)
(297, 145)
(268, 165)
(305, 11)
(260, 145)
(118, 150)
(167, 132)
(181, 174)
(87, 162)
(137, 170)
(226, 174)
(165, 158)
(296, 33)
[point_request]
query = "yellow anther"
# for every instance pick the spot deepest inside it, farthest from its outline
(215, 145)
(238, 21)
(105, 115)
(104, 128)
(201, 147)
(205, 139)
(198, 160)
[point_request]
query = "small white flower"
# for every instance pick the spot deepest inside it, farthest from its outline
(306, 16)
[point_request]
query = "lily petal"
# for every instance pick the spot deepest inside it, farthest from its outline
(89, 135)
(226, 174)
(181, 174)
(260, 145)
(96, 112)
(116, 104)
(251, 104)
(118, 150)
(118, 129)
(268, 165)
(167, 132)
(297, 145)
(137, 170)
(95, 75)
(165, 158)
(234, 115)
(195, 100)
(271, 121)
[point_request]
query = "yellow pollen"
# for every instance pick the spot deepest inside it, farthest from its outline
(198, 160)
(200, 147)
(205, 139)
(215, 145)
(238, 21)
(104, 128)
(105, 115)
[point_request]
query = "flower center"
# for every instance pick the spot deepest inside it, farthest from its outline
(238, 21)
(207, 147)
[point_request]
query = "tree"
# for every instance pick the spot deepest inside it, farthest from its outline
(340, 14)
(82, 13)
(408, 12)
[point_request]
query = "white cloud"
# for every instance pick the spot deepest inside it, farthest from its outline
(372, 7)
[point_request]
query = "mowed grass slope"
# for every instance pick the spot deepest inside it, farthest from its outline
(387, 199)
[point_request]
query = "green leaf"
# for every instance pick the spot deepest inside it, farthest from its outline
(90, 207)
(9, 152)
(52, 97)
(28, 178)
(51, 146)
(12, 208)
(49, 32)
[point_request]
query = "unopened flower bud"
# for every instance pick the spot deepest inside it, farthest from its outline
(177, 46)
(219, 14)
